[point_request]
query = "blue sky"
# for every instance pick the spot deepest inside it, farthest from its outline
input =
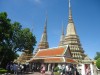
(32, 13)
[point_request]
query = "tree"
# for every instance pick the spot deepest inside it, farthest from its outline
(97, 55)
(5, 37)
(98, 63)
(22, 39)
(13, 38)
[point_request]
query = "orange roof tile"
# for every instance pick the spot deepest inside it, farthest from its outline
(53, 60)
(50, 52)
(49, 60)
(69, 60)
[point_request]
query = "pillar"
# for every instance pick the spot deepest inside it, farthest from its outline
(49, 67)
(83, 69)
(91, 66)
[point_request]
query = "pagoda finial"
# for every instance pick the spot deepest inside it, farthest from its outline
(69, 4)
(71, 27)
(44, 42)
(45, 25)
(62, 36)
(62, 28)
(44, 35)
(70, 13)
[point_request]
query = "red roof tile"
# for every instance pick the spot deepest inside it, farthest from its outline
(69, 60)
(51, 52)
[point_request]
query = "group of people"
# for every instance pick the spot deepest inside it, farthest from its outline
(62, 69)
(16, 68)
(69, 69)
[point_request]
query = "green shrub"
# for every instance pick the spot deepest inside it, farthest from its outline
(56, 73)
(2, 71)
(56, 69)
(98, 63)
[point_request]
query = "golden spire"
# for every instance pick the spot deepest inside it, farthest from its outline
(62, 36)
(45, 25)
(44, 35)
(43, 42)
(70, 13)
(62, 28)
(71, 27)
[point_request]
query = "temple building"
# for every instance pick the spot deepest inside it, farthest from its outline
(69, 49)
(60, 54)
(25, 56)
(71, 38)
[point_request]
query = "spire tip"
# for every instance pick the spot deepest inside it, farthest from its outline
(69, 4)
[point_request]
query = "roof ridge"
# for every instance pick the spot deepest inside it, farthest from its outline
(54, 48)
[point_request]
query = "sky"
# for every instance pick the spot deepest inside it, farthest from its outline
(32, 13)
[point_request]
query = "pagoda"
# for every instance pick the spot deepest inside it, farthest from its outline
(43, 44)
(72, 39)
(62, 37)
(24, 57)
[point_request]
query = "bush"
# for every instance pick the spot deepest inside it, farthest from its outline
(56, 73)
(2, 71)
(98, 63)
(56, 69)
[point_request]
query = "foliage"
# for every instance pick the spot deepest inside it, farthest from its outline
(5, 37)
(56, 69)
(56, 73)
(22, 39)
(2, 71)
(13, 38)
(98, 63)
(97, 55)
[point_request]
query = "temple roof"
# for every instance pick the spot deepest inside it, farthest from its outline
(60, 54)
(59, 51)
(87, 58)
(56, 60)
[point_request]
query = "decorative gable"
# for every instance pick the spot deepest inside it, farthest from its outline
(67, 52)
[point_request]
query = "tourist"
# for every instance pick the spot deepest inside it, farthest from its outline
(72, 70)
(67, 69)
(63, 69)
(75, 70)
(8, 67)
(21, 68)
(15, 68)
(43, 69)
(88, 71)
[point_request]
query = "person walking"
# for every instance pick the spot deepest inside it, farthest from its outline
(88, 71)
(43, 69)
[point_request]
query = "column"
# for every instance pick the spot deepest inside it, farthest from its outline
(91, 67)
(49, 67)
(83, 69)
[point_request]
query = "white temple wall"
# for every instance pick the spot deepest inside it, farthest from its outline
(82, 68)
(91, 66)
